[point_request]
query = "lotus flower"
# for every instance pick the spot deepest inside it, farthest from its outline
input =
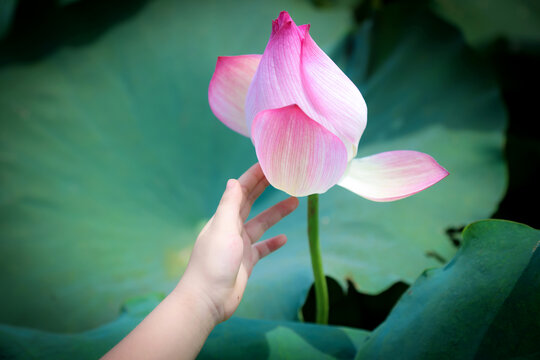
(305, 119)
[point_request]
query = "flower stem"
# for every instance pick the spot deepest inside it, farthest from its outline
(321, 290)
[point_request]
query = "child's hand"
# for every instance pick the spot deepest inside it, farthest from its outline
(214, 282)
(227, 248)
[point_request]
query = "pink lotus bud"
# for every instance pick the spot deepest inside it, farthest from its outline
(305, 118)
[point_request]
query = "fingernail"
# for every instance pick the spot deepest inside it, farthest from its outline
(230, 183)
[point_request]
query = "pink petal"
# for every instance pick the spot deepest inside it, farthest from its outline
(277, 82)
(228, 89)
(333, 95)
(284, 19)
(392, 175)
(297, 155)
(294, 70)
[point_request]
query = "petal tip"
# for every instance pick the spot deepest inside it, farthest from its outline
(284, 17)
(284, 20)
(304, 29)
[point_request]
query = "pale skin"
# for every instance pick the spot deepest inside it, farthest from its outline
(212, 286)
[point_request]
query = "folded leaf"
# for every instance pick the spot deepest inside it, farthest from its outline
(482, 305)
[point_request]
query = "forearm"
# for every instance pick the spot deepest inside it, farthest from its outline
(176, 329)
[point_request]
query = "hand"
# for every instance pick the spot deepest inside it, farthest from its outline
(213, 284)
(227, 248)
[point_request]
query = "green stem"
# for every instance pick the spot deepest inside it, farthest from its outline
(321, 291)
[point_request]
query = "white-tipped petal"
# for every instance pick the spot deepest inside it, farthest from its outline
(392, 175)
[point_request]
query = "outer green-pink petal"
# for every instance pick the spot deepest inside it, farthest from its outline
(297, 155)
(228, 89)
(333, 95)
(392, 175)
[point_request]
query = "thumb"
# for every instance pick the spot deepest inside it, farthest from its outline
(228, 211)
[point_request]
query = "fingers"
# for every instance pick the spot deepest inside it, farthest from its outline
(253, 183)
(256, 227)
(239, 196)
(251, 178)
(227, 216)
(266, 247)
(254, 195)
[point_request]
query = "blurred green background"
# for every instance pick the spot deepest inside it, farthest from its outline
(111, 162)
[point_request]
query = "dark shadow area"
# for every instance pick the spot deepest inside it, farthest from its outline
(435, 255)
(519, 76)
(352, 308)
(454, 235)
(41, 27)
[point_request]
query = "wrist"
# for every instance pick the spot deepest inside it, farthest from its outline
(190, 294)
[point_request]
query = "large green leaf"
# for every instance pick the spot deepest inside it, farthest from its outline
(483, 304)
(235, 339)
(486, 21)
(112, 161)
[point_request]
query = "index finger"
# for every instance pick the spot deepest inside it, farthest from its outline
(253, 183)
(251, 178)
